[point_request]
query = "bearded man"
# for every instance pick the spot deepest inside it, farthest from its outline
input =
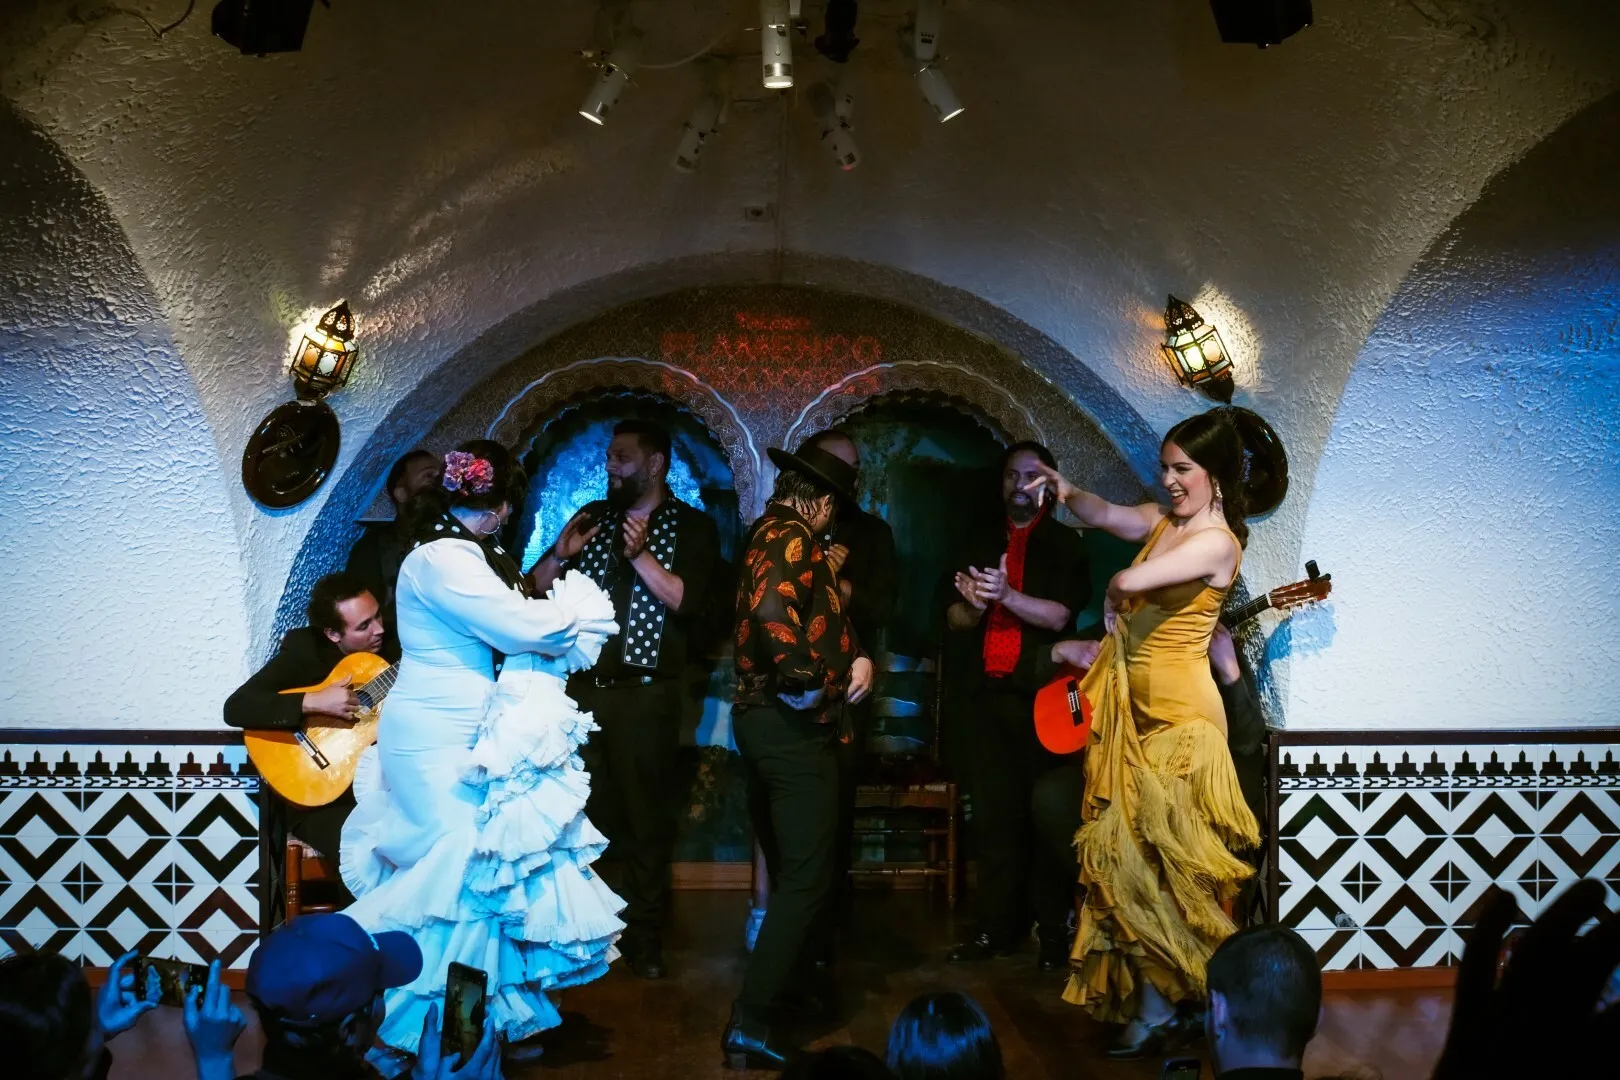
(657, 557)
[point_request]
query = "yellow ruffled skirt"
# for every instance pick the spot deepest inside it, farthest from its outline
(1163, 813)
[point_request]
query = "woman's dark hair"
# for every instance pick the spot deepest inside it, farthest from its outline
(508, 486)
(944, 1036)
(837, 1063)
(1211, 441)
(328, 593)
(45, 1016)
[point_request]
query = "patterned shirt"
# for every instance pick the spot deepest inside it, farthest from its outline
(793, 635)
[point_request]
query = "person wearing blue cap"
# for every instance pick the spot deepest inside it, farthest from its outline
(317, 984)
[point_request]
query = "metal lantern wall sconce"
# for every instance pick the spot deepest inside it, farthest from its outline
(293, 450)
(1195, 351)
(326, 355)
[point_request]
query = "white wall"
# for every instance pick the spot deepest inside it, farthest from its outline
(430, 168)
(1467, 495)
(119, 569)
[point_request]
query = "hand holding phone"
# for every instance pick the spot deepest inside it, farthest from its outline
(168, 982)
(464, 1001)
(1181, 1069)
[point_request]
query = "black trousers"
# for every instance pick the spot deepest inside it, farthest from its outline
(849, 750)
(791, 763)
(1018, 883)
(632, 762)
(1056, 807)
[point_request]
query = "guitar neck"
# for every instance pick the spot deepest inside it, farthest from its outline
(1243, 613)
(371, 694)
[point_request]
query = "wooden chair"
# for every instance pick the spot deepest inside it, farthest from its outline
(305, 866)
(904, 793)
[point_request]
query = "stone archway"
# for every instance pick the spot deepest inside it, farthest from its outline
(554, 391)
(925, 381)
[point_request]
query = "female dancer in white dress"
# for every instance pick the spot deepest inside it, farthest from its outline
(470, 833)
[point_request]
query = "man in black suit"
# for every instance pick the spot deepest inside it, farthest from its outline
(343, 619)
(376, 556)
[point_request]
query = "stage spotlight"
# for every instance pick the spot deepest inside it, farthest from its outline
(257, 27)
(925, 30)
(838, 40)
(936, 90)
(700, 128)
(775, 47)
(617, 65)
(1260, 22)
(833, 110)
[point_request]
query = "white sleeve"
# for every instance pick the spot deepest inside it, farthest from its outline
(452, 577)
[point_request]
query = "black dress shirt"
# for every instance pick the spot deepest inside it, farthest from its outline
(874, 579)
(305, 658)
(1055, 568)
(697, 557)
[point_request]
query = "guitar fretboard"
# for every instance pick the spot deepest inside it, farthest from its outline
(372, 693)
(1244, 612)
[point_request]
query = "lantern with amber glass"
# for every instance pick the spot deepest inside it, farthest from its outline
(326, 354)
(1195, 351)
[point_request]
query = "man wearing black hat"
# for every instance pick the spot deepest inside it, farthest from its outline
(798, 659)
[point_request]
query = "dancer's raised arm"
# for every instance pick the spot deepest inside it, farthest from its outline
(1095, 512)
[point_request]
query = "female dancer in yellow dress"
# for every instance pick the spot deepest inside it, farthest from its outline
(1163, 810)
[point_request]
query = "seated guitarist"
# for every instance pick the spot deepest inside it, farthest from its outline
(343, 619)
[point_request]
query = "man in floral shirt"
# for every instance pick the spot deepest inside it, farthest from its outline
(797, 660)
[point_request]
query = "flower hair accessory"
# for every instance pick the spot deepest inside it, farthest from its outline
(467, 472)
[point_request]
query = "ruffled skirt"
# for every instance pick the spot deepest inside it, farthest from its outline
(507, 888)
(1163, 814)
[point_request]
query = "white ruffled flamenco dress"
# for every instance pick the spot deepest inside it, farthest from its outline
(469, 831)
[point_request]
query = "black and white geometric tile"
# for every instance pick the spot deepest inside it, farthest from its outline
(112, 847)
(1384, 852)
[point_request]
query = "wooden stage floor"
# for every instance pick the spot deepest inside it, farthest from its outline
(625, 1029)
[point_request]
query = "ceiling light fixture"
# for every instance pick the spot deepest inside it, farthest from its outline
(616, 65)
(925, 29)
(700, 127)
(936, 90)
(775, 46)
(833, 110)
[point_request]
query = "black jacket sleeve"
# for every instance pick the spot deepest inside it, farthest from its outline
(697, 563)
(1245, 736)
(875, 591)
(259, 703)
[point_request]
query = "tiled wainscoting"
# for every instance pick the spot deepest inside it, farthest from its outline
(1384, 843)
(113, 844)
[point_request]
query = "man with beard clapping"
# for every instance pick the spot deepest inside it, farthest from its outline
(656, 556)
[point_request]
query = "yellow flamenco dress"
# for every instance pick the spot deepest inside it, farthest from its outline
(1163, 811)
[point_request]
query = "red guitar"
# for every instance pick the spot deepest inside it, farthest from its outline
(1062, 713)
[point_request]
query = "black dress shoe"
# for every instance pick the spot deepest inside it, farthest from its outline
(748, 1046)
(1054, 954)
(977, 948)
(1155, 1040)
(647, 962)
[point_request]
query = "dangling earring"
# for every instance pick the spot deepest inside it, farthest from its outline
(1217, 492)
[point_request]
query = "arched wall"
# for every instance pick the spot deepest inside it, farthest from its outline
(760, 362)
(471, 213)
(121, 574)
(1469, 495)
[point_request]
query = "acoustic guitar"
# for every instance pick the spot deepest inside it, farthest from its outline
(1062, 713)
(314, 765)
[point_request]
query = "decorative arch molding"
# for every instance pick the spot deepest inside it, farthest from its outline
(546, 397)
(952, 385)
